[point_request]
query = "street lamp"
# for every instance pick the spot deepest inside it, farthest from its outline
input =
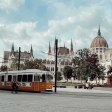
(19, 58)
(56, 48)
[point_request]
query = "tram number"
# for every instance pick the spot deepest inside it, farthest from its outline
(27, 84)
(3, 83)
(8, 83)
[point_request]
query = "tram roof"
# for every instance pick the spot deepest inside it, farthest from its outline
(26, 71)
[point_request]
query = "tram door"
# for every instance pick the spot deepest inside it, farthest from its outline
(43, 82)
(36, 84)
(14, 78)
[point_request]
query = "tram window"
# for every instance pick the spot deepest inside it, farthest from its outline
(24, 78)
(19, 78)
(30, 77)
(49, 77)
(37, 78)
(2, 78)
(9, 77)
(43, 78)
(14, 78)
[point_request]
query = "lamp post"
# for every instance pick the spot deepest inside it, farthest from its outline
(19, 58)
(56, 47)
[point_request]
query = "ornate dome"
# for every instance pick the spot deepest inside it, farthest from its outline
(99, 41)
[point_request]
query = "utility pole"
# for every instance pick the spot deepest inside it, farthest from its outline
(19, 58)
(56, 47)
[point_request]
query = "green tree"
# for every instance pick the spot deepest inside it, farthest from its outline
(4, 68)
(14, 64)
(80, 64)
(109, 70)
(87, 65)
(59, 76)
(83, 53)
(67, 71)
(76, 68)
(34, 64)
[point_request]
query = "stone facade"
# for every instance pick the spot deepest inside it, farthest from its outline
(13, 56)
(64, 58)
(100, 46)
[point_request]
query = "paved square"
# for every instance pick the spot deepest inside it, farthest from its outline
(60, 102)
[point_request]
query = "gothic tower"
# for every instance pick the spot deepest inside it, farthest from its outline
(71, 46)
(71, 50)
(99, 33)
(49, 52)
(12, 50)
(31, 51)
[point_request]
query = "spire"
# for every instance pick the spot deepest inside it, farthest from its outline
(31, 50)
(54, 44)
(64, 45)
(99, 33)
(12, 50)
(71, 45)
(49, 52)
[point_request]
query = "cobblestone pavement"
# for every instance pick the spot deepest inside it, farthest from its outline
(51, 102)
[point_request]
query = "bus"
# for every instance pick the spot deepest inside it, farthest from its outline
(33, 80)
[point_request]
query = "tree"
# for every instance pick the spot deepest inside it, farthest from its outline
(59, 77)
(80, 64)
(49, 77)
(13, 64)
(67, 71)
(101, 72)
(77, 69)
(83, 53)
(4, 68)
(88, 65)
(34, 64)
(109, 71)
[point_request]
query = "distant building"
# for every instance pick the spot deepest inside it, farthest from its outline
(100, 46)
(64, 58)
(12, 56)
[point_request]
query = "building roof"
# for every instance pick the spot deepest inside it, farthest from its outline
(6, 55)
(109, 51)
(99, 42)
(23, 55)
(63, 50)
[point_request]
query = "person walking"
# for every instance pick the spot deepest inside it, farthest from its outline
(87, 86)
(14, 87)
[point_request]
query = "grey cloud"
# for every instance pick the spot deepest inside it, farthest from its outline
(80, 25)
(10, 5)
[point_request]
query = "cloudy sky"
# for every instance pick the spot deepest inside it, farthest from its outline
(37, 22)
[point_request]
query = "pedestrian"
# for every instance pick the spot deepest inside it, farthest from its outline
(87, 85)
(14, 87)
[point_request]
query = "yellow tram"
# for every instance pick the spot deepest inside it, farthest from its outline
(29, 80)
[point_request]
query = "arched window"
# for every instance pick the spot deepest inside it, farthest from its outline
(110, 56)
(100, 56)
(105, 57)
